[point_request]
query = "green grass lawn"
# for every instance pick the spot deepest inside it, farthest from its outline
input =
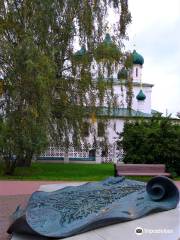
(60, 171)
(65, 172)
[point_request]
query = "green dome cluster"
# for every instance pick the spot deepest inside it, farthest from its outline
(141, 96)
(137, 58)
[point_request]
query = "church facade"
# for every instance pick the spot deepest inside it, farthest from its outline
(97, 129)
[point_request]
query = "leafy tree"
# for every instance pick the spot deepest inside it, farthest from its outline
(24, 126)
(47, 85)
(152, 141)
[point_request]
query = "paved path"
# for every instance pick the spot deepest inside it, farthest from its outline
(8, 205)
(28, 187)
(23, 187)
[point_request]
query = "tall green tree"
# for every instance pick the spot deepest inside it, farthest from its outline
(47, 85)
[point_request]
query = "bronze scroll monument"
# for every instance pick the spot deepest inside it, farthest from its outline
(73, 210)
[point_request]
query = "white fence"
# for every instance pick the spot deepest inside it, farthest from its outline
(83, 153)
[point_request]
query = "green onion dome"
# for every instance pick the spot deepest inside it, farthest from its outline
(141, 96)
(108, 39)
(122, 74)
(107, 50)
(137, 58)
(81, 52)
(81, 56)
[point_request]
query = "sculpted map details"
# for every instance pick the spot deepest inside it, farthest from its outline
(73, 210)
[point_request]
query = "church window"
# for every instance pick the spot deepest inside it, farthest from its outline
(114, 127)
(104, 152)
(92, 153)
(136, 72)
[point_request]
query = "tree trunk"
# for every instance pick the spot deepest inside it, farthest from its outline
(10, 166)
(20, 161)
(28, 159)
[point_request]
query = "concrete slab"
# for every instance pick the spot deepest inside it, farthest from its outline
(158, 226)
(86, 236)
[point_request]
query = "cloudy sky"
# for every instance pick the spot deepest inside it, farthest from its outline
(155, 31)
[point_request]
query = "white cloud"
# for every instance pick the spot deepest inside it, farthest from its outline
(150, 13)
(155, 31)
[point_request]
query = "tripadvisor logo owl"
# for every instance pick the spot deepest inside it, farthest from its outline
(139, 231)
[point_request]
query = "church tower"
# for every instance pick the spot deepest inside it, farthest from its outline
(138, 62)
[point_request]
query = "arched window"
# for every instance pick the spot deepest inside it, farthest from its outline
(136, 72)
(92, 153)
(104, 152)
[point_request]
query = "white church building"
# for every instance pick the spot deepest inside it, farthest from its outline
(96, 129)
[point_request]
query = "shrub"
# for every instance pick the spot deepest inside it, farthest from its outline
(152, 141)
